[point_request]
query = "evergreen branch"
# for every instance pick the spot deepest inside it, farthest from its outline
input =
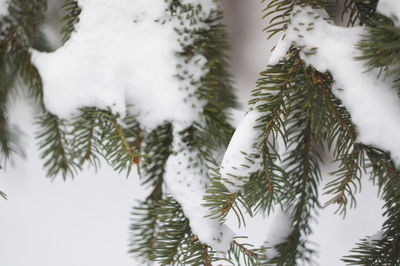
(145, 224)
(217, 91)
(347, 181)
(9, 142)
(72, 12)
(144, 229)
(266, 187)
(215, 86)
(116, 147)
(27, 71)
(86, 140)
(55, 147)
(197, 253)
(340, 133)
(157, 147)
(381, 48)
(25, 18)
(173, 243)
(16, 60)
(28, 14)
(3, 195)
(374, 252)
(18, 32)
(303, 129)
(305, 175)
(244, 254)
(361, 12)
(15, 55)
(173, 230)
(96, 132)
(270, 185)
(386, 249)
(8, 139)
(278, 23)
(220, 202)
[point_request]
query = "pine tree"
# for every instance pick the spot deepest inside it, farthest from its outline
(199, 169)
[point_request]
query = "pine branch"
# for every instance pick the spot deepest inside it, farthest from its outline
(173, 230)
(86, 142)
(157, 149)
(144, 228)
(216, 88)
(113, 140)
(220, 202)
(361, 12)
(386, 249)
(72, 12)
(9, 141)
(267, 186)
(347, 181)
(381, 48)
(339, 132)
(18, 32)
(27, 71)
(303, 162)
(174, 242)
(28, 14)
(245, 254)
(55, 147)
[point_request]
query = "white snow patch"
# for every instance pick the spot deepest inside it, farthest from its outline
(236, 166)
(372, 102)
(390, 9)
(3, 7)
(375, 237)
(121, 56)
(186, 179)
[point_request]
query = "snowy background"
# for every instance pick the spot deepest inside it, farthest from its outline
(85, 221)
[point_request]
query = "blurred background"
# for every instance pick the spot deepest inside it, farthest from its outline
(85, 221)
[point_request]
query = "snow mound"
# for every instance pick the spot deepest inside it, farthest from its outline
(122, 54)
(238, 162)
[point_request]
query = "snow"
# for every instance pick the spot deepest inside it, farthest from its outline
(239, 160)
(186, 179)
(371, 240)
(3, 7)
(372, 102)
(391, 9)
(120, 56)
